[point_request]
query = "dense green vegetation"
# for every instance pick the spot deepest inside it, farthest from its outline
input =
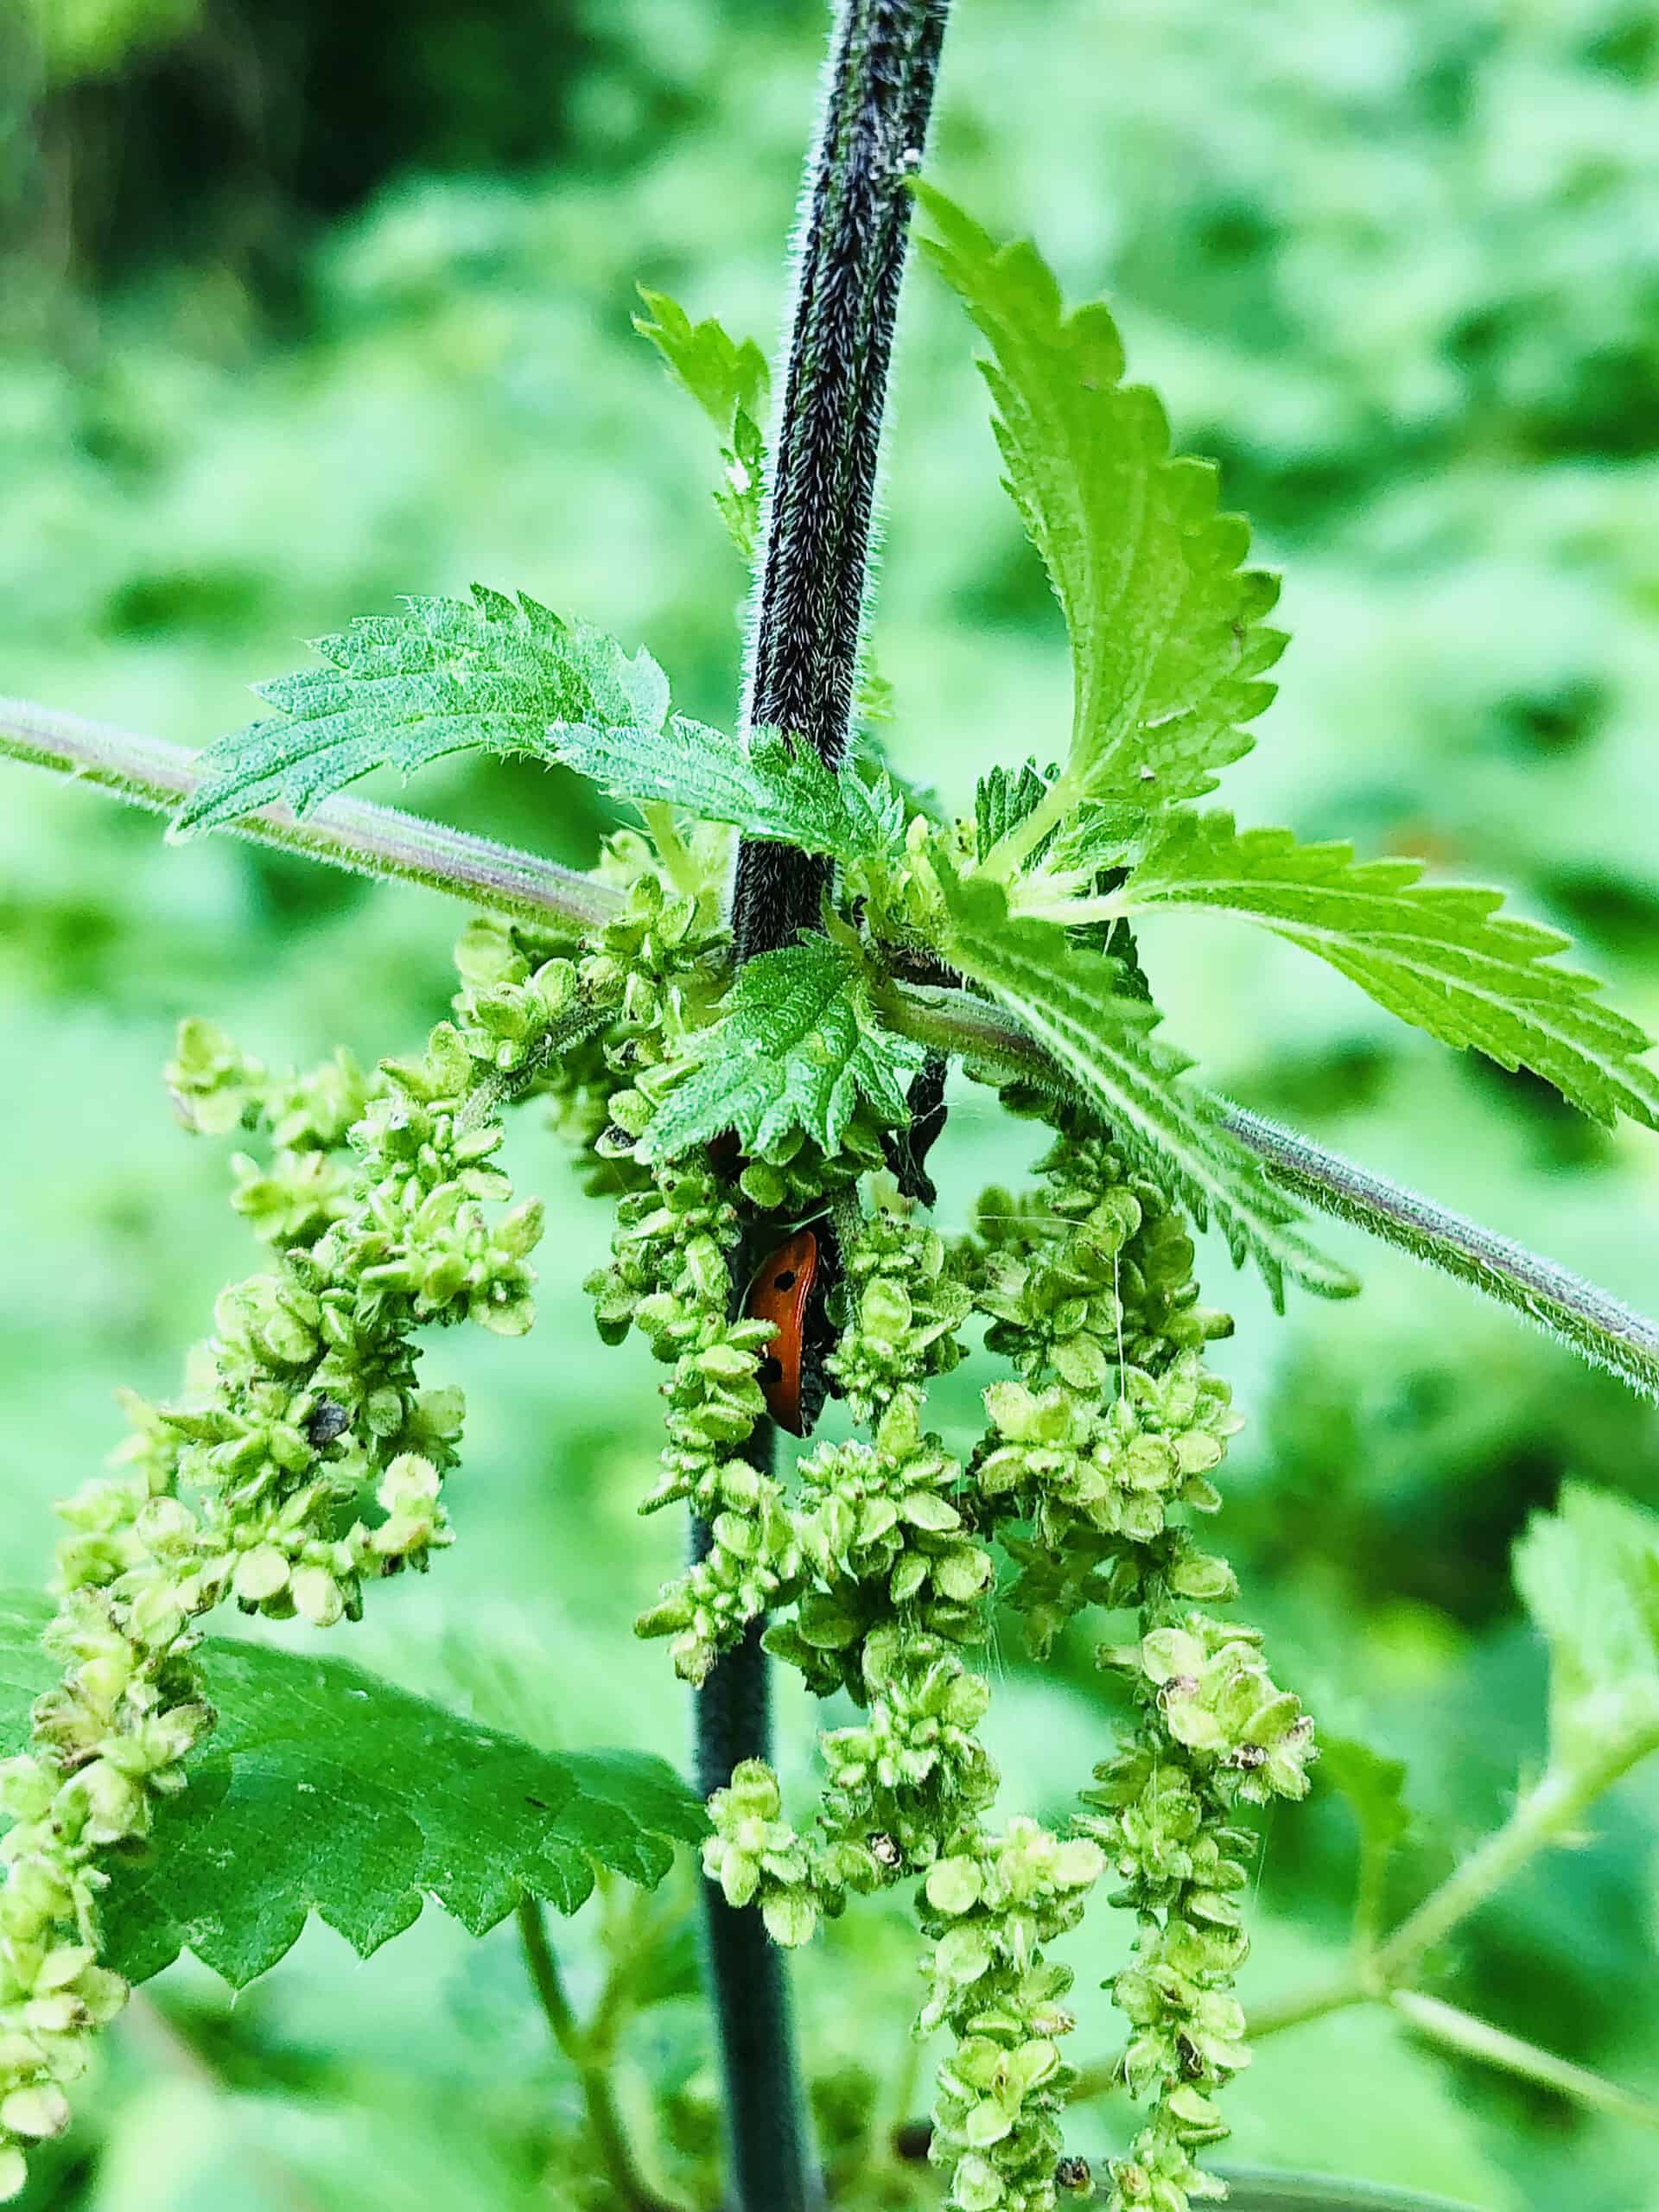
(1396, 267)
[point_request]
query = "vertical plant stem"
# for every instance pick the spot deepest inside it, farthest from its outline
(765, 2118)
(634, 2193)
(810, 594)
(803, 663)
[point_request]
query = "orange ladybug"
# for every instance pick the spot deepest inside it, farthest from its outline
(788, 1290)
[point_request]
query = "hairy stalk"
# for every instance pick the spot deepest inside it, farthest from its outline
(385, 842)
(809, 607)
(1547, 1812)
(765, 2109)
(810, 591)
(633, 2192)
(1598, 1326)
(377, 841)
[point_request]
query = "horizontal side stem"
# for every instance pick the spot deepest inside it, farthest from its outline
(381, 841)
(1460, 2031)
(1597, 1325)
(1552, 1298)
(368, 839)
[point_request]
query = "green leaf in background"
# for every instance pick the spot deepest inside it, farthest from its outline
(1589, 1576)
(780, 794)
(722, 373)
(1076, 1001)
(402, 689)
(324, 1790)
(797, 1045)
(1374, 1789)
(731, 382)
(1439, 954)
(1168, 635)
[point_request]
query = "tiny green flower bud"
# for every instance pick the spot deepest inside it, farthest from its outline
(260, 1575)
(36, 2113)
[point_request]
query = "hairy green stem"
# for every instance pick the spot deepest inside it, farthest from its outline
(634, 2193)
(1547, 1811)
(381, 841)
(376, 841)
(1597, 1326)
(1456, 2030)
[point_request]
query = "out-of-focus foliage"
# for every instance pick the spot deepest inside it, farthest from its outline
(307, 307)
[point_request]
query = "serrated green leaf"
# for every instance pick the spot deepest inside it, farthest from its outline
(798, 1044)
(324, 1790)
(1169, 640)
(1082, 852)
(722, 373)
(773, 793)
(402, 689)
(1440, 955)
(730, 381)
(1075, 1000)
(1002, 800)
(1588, 1574)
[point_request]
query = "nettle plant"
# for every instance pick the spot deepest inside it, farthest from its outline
(743, 1019)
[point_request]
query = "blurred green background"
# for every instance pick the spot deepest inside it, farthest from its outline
(304, 306)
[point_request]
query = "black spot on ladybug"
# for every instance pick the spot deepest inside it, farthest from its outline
(789, 1289)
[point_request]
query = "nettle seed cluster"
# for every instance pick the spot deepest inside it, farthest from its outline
(879, 1566)
(303, 1462)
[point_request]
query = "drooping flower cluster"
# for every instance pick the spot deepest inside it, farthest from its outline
(896, 1576)
(1112, 1436)
(671, 1277)
(302, 1462)
(991, 1908)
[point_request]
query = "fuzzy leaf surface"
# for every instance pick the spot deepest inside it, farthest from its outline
(1169, 638)
(1440, 955)
(399, 690)
(798, 1043)
(325, 1789)
(772, 792)
(1077, 1001)
(1588, 1573)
